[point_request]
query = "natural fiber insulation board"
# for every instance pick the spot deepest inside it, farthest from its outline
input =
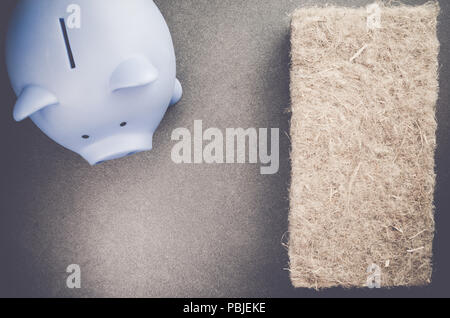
(363, 143)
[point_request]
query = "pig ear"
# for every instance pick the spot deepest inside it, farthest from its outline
(134, 72)
(31, 100)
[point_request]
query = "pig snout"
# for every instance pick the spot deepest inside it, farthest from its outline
(116, 147)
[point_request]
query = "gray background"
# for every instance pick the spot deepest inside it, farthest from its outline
(143, 226)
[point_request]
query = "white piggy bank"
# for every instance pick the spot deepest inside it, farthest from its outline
(96, 76)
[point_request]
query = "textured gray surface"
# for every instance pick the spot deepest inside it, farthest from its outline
(143, 226)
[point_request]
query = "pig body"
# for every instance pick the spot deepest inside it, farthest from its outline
(96, 76)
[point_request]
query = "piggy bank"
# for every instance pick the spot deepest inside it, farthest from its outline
(96, 76)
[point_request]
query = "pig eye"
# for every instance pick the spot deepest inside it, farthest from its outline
(123, 124)
(85, 137)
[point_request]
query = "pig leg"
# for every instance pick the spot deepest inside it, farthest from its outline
(178, 92)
